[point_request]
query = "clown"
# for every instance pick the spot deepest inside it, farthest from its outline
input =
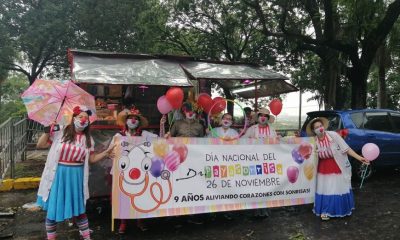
(263, 129)
(188, 127)
(63, 189)
(225, 131)
(131, 123)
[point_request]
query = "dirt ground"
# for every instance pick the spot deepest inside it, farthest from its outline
(377, 216)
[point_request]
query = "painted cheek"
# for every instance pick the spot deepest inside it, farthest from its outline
(134, 173)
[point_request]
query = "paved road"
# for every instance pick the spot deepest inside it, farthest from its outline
(377, 216)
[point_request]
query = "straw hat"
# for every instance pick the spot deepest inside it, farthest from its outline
(325, 123)
(124, 114)
(267, 112)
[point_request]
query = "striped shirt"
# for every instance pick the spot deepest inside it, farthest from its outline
(75, 153)
(264, 132)
(324, 148)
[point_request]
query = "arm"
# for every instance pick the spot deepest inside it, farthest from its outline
(99, 156)
(43, 141)
(353, 154)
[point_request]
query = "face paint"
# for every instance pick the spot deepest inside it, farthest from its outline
(226, 123)
(319, 131)
(132, 123)
(262, 119)
(81, 124)
(190, 115)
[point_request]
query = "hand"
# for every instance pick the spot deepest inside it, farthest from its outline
(363, 160)
(163, 119)
(110, 151)
(167, 135)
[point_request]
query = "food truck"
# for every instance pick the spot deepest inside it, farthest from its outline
(117, 80)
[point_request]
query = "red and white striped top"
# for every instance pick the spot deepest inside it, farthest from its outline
(75, 153)
(264, 132)
(324, 148)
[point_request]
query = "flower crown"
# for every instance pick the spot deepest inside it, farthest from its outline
(134, 111)
(77, 110)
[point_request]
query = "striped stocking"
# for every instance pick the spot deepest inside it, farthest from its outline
(51, 227)
(83, 225)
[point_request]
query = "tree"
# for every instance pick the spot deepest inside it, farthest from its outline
(11, 104)
(354, 29)
(41, 34)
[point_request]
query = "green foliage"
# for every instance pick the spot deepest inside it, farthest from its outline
(11, 104)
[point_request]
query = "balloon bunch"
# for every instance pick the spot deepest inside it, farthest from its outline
(173, 99)
(211, 106)
(300, 154)
(166, 158)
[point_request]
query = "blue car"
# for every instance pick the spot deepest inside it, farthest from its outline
(358, 127)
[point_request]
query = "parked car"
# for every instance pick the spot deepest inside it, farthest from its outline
(358, 127)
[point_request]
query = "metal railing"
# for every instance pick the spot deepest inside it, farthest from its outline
(15, 135)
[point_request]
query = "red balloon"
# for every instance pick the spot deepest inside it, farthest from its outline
(219, 105)
(275, 106)
(182, 150)
(175, 96)
(205, 101)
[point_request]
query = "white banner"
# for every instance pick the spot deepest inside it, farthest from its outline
(178, 176)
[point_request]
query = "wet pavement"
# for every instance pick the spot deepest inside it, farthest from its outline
(377, 216)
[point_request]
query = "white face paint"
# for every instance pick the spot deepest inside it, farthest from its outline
(319, 131)
(190, 115)
(132, 123)
(226, 123)
(80, 123)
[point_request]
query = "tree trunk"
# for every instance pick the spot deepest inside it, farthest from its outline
(358, 78)
(331, 74)
(229, 96)
(382, 101)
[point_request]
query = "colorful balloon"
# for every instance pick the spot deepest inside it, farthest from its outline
(182, 150)
(172, 161)
(163, 105)
(157, 165)
(205, 101)
(370, 151)
(175, 96)
(309, 170)
(219, 105)
(276, 106)
(292, 174)
(160, 147)
(305, 150)
(296, 156)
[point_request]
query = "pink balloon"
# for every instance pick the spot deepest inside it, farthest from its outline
(172, 160)
(163, 105)
(292, 174)
(275, 106)
(370, 151)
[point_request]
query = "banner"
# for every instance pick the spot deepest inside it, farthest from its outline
(179, 176)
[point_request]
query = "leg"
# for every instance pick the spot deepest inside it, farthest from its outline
(122, 227)
(51, 227)
(83, 225)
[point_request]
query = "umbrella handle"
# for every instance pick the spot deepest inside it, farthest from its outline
(59, 110)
